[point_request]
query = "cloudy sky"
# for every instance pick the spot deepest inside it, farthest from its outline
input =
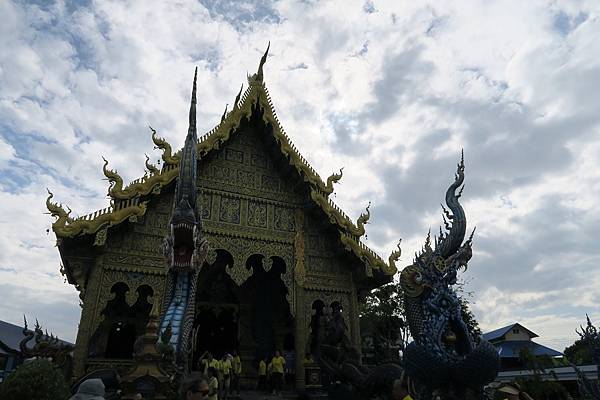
(389, 90)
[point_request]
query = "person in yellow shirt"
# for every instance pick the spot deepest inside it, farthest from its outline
(236, 369)
(213, 383)
(278, 367)
(262, 374)
(209, 362)
(226, 372)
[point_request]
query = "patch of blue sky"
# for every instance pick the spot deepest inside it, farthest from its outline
(241, 14)
(64, 25)
(13, 180)
(298, 66)
(363, 51)
(19, 175)
(565, 23)
(210, 56)
(369, 7)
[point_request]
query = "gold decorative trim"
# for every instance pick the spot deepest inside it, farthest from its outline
(337, 216)
(65, 226)
(367, 255)
(139, 187)
(242, 235)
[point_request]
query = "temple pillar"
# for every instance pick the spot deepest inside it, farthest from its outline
(86, 322)
(299, 278)
(354, 320)
(300, 338)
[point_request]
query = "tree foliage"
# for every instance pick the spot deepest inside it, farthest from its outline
(578, 353)
(382, 316)
(465, 297)
(37, 379)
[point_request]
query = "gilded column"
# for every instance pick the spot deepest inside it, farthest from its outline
(299, 277)
(89, 306)
(355, 320)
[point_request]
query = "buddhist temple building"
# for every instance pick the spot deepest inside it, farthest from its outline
(281, 252)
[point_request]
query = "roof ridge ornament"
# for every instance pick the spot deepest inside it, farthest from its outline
(237, 98)
(224, 113)
(258, 76)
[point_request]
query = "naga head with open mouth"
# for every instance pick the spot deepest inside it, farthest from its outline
(444, 354)
(185, 236)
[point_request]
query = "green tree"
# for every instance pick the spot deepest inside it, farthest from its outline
(578, 353)
(382, 317)
(465, 298)
(37, 379)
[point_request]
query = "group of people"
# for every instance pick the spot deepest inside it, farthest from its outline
(222, 375)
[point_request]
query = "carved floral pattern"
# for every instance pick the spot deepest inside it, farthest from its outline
(257, 214)
(284, 219)
(230, 210)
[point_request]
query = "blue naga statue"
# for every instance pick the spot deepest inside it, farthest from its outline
(185, 250)
(444, 361)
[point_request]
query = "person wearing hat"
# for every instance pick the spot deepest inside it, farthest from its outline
(91, 389)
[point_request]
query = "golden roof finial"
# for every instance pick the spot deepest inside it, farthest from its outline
(237, 98)
(259, 73)
(224, 113)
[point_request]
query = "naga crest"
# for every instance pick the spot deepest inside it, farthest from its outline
(186, 224)
(444, 353)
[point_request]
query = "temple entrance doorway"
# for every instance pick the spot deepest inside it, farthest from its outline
(253, 319)
(269, 317)
(216, 326)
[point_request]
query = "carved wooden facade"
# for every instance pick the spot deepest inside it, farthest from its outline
(258, 197)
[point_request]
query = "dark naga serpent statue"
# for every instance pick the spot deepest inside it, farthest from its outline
(444, 361)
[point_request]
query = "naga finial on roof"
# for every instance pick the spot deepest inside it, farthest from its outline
(56, 210)
(116, 182)
(363, 220)
(395, 255)
(224, 113)
(151, 167)
(258, 77)
(237, 98)
(162, 144)
(333, 178)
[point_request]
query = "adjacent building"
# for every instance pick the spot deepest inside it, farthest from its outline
(11, 339)
(511, 340)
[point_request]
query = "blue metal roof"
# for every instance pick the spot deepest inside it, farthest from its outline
(511, 349)
(498, 333)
